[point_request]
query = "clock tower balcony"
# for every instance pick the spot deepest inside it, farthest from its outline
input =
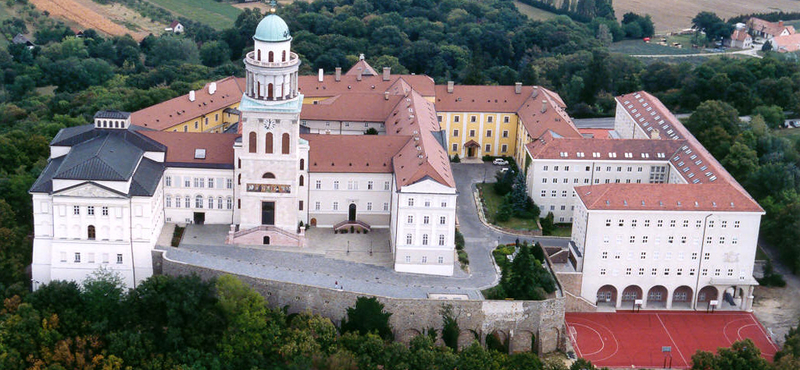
(291, 61)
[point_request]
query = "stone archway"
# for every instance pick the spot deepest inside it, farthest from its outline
(682, 297)
(707, 294)
(521, 341)
(497, 340)
(407, 335)
(466, 337)
(657, 297)
(607, 296)
(630, 294)
(313, 222)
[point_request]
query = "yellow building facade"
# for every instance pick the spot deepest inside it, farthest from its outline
(475, 134)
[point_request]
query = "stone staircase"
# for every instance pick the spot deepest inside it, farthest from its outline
(356, 225)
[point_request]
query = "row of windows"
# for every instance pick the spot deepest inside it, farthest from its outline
(426, 203)
(473, 119)
(657, 169)
(199, 202)
(198, 182)
(424, 259)
(472, 133)
(76, 210)
(335, 206)
(352, 185)
(671, 240)
(268, 144)
(673, 223)
(90, 258)
(410, 239)
(488, 148)
(656, 255)
(426, 220)
(666, 271)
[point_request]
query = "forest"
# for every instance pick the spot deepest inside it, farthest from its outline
(64, 80)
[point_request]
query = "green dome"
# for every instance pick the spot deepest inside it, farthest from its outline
(272, 29)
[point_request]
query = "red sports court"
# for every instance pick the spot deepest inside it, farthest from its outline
(639, 339)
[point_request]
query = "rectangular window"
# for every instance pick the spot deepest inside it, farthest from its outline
(410, 202)
(229, 204)
(90, 210)
(119, 258)
(408, 258)
(505, 133)
(317, 206)
(229, 183)
(76, 210)
(455, 147)
(455, 132)
(504, 148)
(335, 206)
(318, 184)
(336, 185)
(385, 206)
(426, 220)
(105, 211)
(386, 185)
(488, 148)
(441, 260)
(187, 182)
(77, 257)
(641, 271)
(168, 181)
(210, 202)
(441, 239)
(442, 220)
(410, 219)
(488, 133)
(369, 185)
(409, 239)
(210, 182)
(219, 202)
(471, 133)
(456, 119)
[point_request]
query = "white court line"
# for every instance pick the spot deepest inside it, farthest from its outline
(611, 333)
(575, 343)
(598, 335)
(725, 328)
(673, 341)
(761, 328)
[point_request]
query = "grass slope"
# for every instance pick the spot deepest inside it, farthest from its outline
(493, 202)
(534, 12)
(639, 47)
(215, 14)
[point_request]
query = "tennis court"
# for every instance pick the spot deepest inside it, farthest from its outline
(626, 339)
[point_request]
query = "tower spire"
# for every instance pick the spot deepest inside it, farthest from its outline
(273, 5)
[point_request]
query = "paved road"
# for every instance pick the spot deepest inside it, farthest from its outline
(323, 272)
(749, 52)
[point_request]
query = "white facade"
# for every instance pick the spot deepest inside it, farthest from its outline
(198, 195)
(334, 197)
(666, 258)
(423, 228)
(333, 127)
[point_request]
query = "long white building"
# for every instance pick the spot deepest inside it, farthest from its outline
(654, 216)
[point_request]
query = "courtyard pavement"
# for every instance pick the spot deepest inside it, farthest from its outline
(325, 264)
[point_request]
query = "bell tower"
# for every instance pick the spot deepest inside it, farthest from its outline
(270, 158)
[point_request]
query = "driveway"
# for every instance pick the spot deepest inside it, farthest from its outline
(317, 270)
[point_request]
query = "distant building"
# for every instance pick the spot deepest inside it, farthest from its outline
(740, 39)
(175, 27)
(22, 39)
(786, 44)
(768, 30)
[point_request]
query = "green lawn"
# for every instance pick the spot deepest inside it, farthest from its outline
(562, 230)
(639, 47)
(215, 14)
(533, 12)
(493, 202)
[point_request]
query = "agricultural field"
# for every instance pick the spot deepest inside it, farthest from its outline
(115, 20)
(534, 12)
(675, 15)
(215, 14)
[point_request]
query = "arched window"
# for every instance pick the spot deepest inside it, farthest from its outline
(240, 179)
(258, 89)
(253, 142)
(91, 232)
(302, 180)
(268, 175)
(269, 91)
(268, 143)
(283, 56)
(259, 55)
(285, 148)
(198, 201)
(266, 240)
(210, 202)
(271, 57)
(302, 164)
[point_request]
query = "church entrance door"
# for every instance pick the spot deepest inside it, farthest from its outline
(352, 214)
(268, 213)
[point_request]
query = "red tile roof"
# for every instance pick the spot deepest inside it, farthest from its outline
(545, 112)
(476, 98)
(721, 197)
(365, 69)
(596, 133)
(356, 106)
(770, 28)
(353, 153)
(177, 110)
(786, 44)
(181, 147)
(549, 147)
(310, 86)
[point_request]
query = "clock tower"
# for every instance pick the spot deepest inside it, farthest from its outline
(270, 159)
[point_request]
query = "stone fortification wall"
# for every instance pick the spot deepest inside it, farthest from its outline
(525, 325)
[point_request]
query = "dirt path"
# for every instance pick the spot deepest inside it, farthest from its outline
(89, 15)
(749, 52)
(778, 308)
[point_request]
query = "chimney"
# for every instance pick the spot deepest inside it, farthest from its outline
(385, 95)
(338, 74)
(518, 88)
(780, 24)
(544, 106)
(655, 135)
(360, 72)
(386, 72)
(320, 75)
(450, 87)
(212, 88)
(361, 56)
(191, 95)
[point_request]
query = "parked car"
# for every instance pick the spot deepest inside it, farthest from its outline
(500, 162)
(504, 170)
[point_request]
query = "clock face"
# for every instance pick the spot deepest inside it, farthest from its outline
(270, 123)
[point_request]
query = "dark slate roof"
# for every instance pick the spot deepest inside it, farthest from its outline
(112, 114)
(44, 184)
(75, 135)
(105, 157)
(146, 179)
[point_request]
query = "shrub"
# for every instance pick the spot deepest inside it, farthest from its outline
(487, 158)
(494, 343)
(455, 159)
(459, 240)
(450, 329)
(368, 316)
